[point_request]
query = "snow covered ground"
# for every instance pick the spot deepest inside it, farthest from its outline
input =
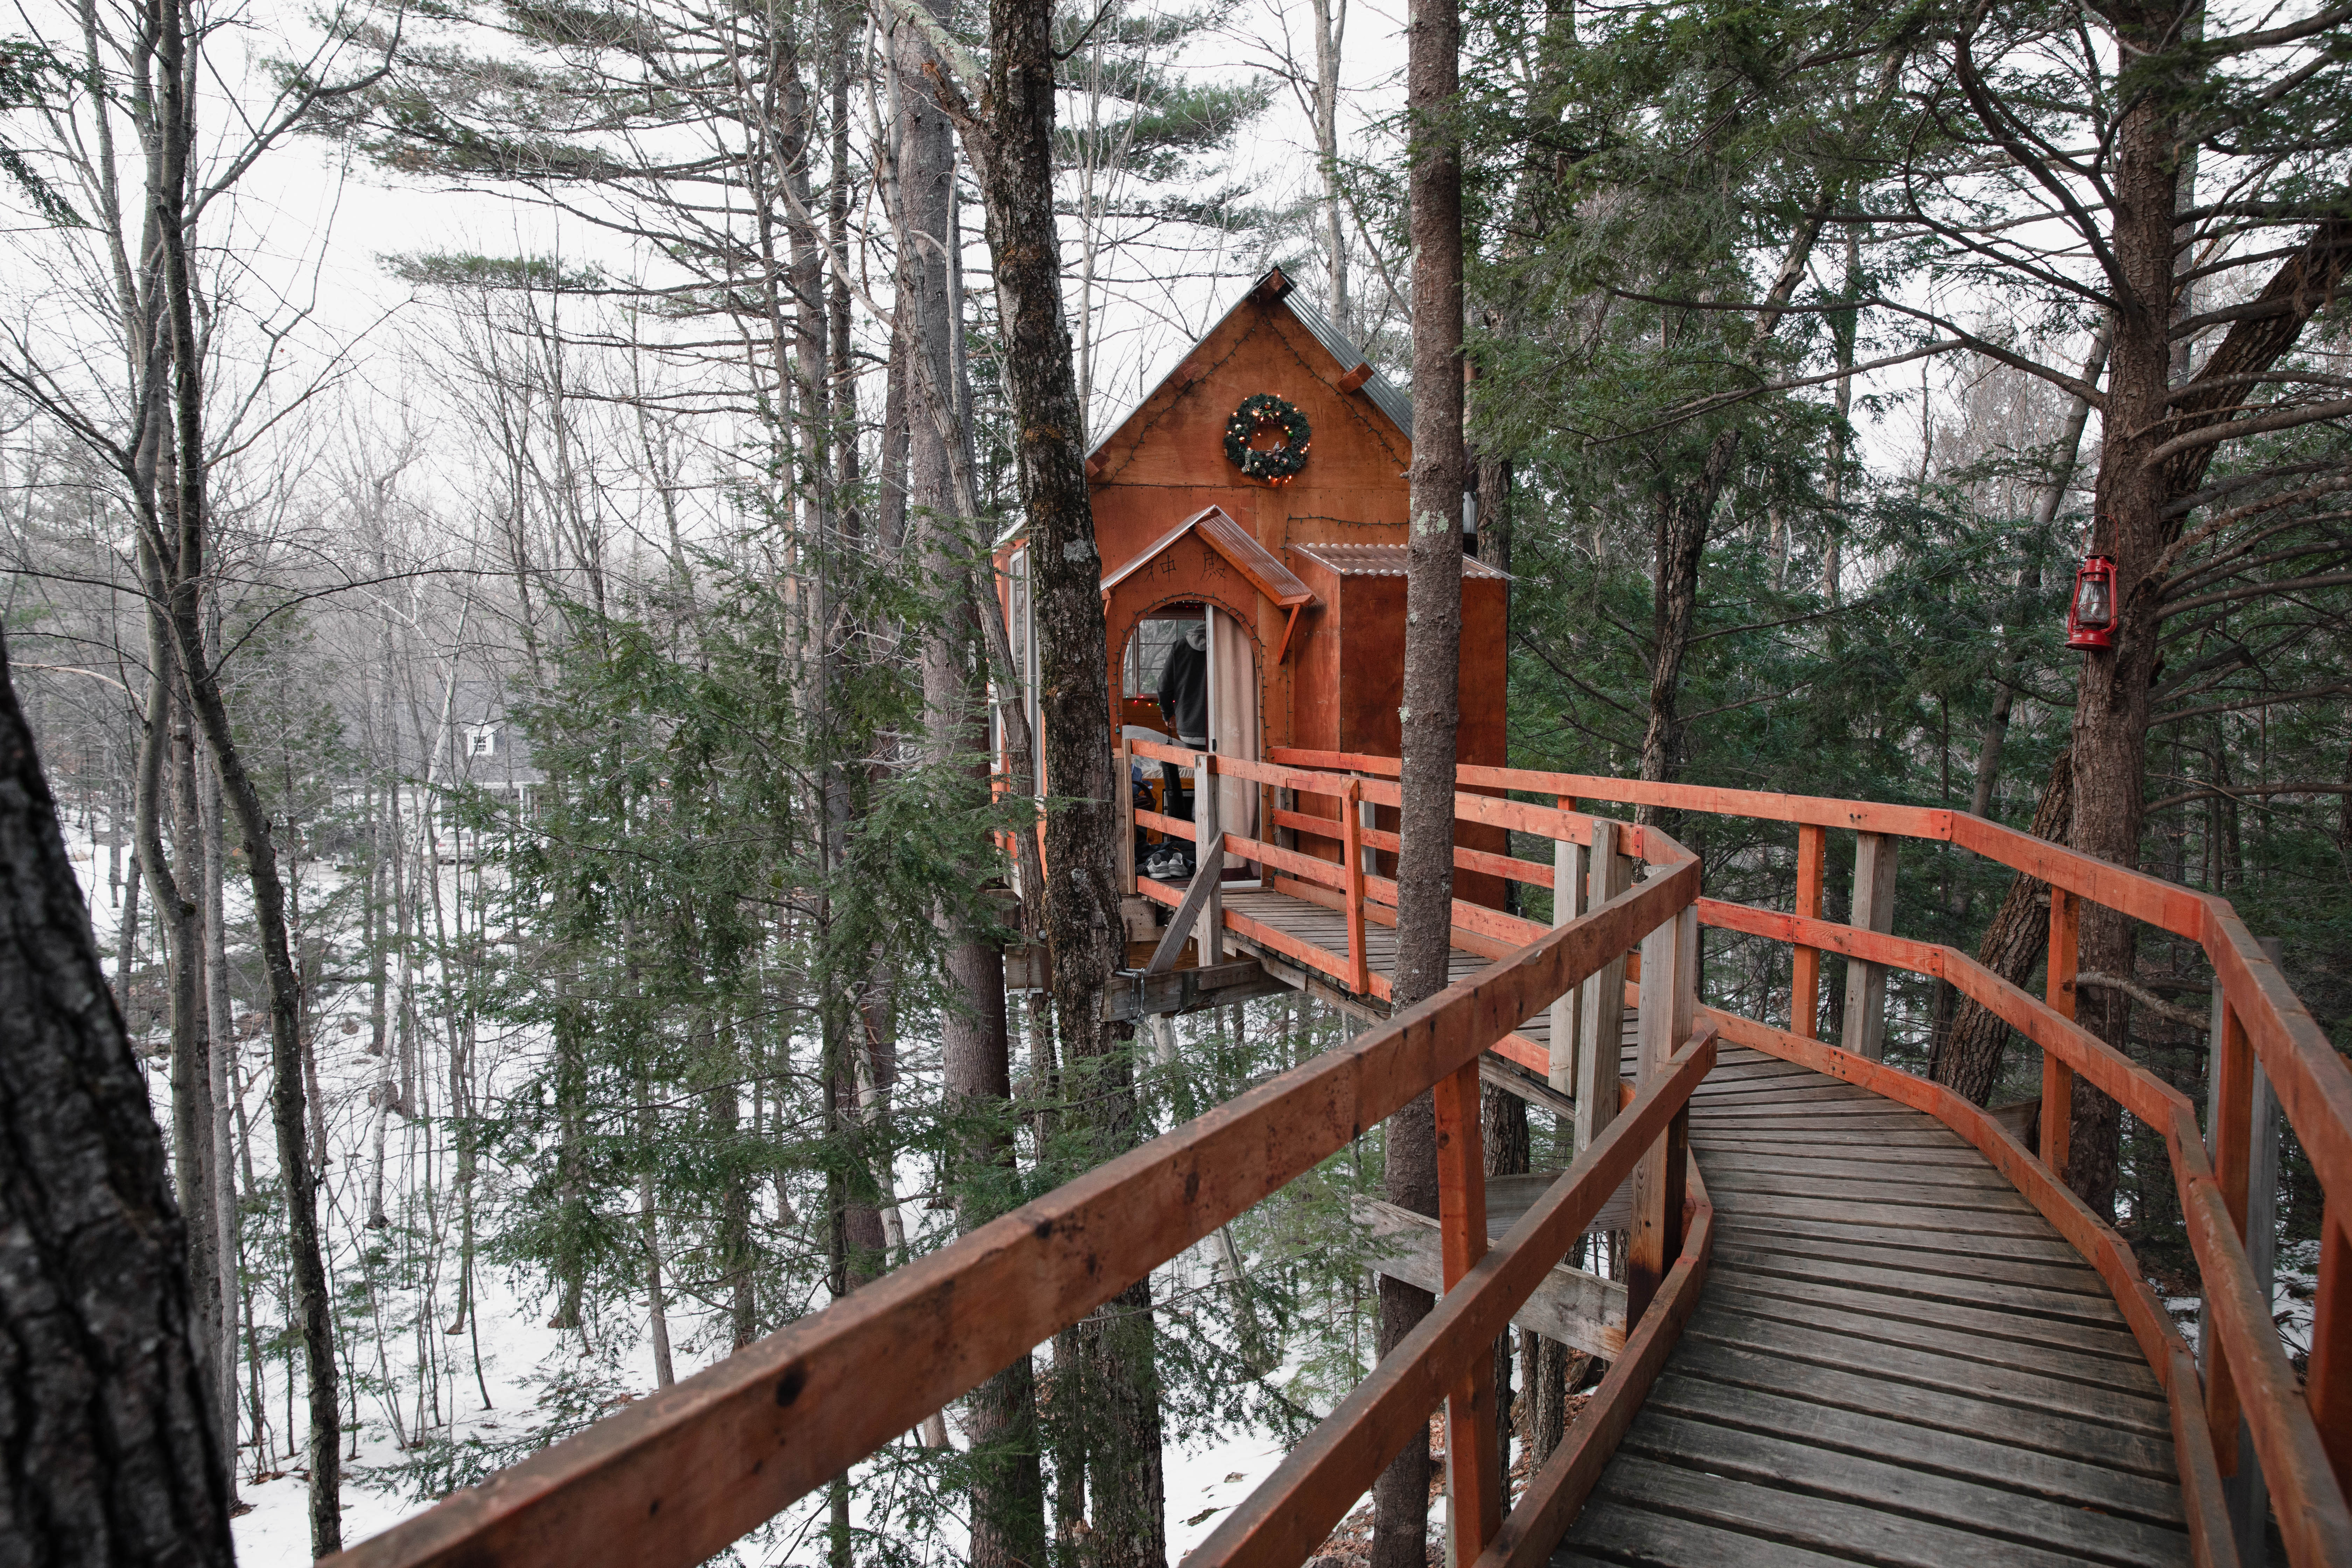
(517, 1353)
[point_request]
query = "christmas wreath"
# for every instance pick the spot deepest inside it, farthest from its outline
(1273, 464)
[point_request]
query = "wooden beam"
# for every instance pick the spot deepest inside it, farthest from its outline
(1864, 1030)
(1556, 1493)
(1570, 1307)
(1202, 894)
(2057, 1078)
(1669, 996)
(1134, 993)
(1472, 1470)
(1601, 1002)
(1805, 979)
(1569, 892)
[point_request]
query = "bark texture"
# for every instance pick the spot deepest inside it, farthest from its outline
(1432, 704)
(2138, 520)
(2016, 942)
(183, 615)
(1009, 137)
(1005, 1489)
(109, 1448)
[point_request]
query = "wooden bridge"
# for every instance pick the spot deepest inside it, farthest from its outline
(1863, 1321)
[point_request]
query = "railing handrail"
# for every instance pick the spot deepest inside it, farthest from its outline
(676, 1476)
(1291, 1512)
(2311, 1081)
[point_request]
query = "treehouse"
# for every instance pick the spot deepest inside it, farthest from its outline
(1256, 503)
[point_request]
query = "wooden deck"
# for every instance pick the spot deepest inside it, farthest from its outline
(1895, 1359)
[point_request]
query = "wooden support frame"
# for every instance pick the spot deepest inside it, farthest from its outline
(1599, 1003)
(1323, 1475)
(1805, 970)
(1557, 1491)
(2057, 1078)
(1569, 895)
(1864, 1030)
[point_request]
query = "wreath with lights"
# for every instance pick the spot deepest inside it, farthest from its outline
(1275, 465)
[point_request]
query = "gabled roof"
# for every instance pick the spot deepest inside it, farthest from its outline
(1229, 538)
(1384, 393)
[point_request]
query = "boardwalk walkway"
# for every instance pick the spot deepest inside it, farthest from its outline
(1895, 1359)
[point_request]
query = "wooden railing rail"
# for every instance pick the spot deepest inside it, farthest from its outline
(674, 1477)
(1294, 1510)
(2311, 1081)
(2314, 1520)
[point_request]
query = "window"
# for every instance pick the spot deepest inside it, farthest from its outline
(481, 740)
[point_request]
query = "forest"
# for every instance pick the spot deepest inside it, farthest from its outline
(503, 509)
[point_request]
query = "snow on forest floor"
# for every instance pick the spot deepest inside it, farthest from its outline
(520, 1356)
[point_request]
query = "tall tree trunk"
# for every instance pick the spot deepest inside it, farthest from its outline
(183, 612)
(1006, 1489)
(111, 1449)
(1433, 707)
(1009, 139)
(2016, 942)
(1684, 513)
(1330, 23)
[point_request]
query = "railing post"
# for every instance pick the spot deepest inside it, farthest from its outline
(1805, 982)
(2230, 1124)
(1669, 1001)
(1352, 839)
(1473, 1477)
(2241, 1137)
(2327, 1389)
(1864, 1033)
(2057, 1078)
(1126, 787)
(1208, 862)
(1567, 859)
(1601, 1010)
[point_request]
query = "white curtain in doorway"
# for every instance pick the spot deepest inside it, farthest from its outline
(1233, 721)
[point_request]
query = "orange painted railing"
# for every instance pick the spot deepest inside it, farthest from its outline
(2302, 1431)
(674, 1477)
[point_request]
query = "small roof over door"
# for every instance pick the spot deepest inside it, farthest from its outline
(1230, 539)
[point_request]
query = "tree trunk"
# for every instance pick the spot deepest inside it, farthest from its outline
(1007, 1488)
(111, 1449)
(176, 123)
(2013, 945)
(1011, 144)
(1433, 705)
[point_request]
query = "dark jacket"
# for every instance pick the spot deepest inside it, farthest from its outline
(1184, 691)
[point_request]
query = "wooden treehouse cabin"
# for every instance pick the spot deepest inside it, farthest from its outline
(1257, 499)
(1858, 1319)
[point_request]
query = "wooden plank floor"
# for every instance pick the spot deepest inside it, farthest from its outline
(1895, 1359)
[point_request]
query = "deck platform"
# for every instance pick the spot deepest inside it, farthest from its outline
(1895, 1359)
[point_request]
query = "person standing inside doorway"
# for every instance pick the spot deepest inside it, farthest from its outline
(1185, 708)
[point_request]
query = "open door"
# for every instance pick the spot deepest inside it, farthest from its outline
(1233, 728)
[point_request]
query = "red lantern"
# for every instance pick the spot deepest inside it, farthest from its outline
(2091, 618)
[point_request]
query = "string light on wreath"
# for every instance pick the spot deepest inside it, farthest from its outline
(1275, 465)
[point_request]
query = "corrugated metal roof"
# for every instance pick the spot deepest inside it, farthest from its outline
(1382, 561)
(1385, 395)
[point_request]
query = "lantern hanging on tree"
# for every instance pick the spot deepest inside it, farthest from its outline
(2091, 617)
